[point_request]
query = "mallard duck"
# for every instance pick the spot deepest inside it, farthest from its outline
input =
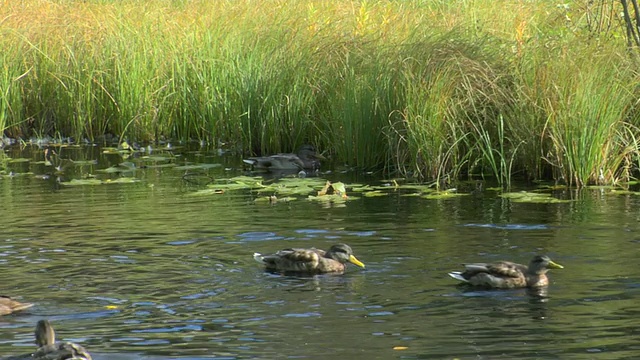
(310, 261)
(49, 349)
(507, 275)
(306, 159)
(8, 305)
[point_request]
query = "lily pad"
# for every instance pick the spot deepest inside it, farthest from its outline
(93, 181)
(330, 200)
(84, 162)
(273, 199)
(197, 166)
(81, 182)
(531, 197)
(623, 192)
(116, 169)
(110, 150)
(293, 186)
(337, 189)
(121, 180)
(156, 158)
(238, 183)
(443, 195)
(361, 188)
(206, 192)
(376, 193)
(14, 174)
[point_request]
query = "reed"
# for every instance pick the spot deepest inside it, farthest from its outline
(432, 89)
(587, 123)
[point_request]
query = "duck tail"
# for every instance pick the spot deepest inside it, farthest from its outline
(458, 276)
(259, 258)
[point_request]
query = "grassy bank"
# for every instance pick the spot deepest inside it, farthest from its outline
(435, 89)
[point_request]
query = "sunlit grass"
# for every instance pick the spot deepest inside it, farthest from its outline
(431, 89)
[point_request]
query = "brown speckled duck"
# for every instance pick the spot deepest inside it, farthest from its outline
(310, 261)
(8, 305)
(507, 275)
(49, 349)
(306, 159)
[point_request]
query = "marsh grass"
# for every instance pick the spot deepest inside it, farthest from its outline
(429, 89)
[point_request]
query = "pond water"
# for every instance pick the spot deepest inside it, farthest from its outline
(156, 270)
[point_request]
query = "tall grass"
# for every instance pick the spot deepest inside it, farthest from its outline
(432, 89)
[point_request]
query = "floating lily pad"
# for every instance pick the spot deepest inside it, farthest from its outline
(330, 200)
(376, 193)
(337, 189)
(428, 188)
(156, 166)
(623, 192)
(237, 183)
(14, 174)
(443, 195)
(156, 158)
(116, 169)
(122, 180)
(110, 150)
(361, 188)
(197, 166)
(84, 162)
(312, 182)
(531, 197)
(293, 186)
(273, 199)
(81, 182)
(206, 192)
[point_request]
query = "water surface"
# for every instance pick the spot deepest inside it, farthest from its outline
(149, 271)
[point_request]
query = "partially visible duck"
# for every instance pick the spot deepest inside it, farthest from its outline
(310, 261)
(8, 305)
(49, 349)
(508, 275)
(306, 159)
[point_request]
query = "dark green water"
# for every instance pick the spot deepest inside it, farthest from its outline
(148, 271)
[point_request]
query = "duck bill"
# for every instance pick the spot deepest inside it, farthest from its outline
(353, 260)
(319, 157)
(553, 265)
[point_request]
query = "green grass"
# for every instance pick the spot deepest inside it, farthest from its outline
(428, 89)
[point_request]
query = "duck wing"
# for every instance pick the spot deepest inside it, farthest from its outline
(506, 269)
(276, 162)
(60, 351)
(294, 260)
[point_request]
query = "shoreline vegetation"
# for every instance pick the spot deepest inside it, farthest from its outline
(437, 90)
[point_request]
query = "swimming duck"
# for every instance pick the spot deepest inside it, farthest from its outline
(49, 349)
(310, 261)
(8, 305)
(508, 275)
(306, 159)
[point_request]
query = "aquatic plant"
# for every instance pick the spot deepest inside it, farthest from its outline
(433, 90)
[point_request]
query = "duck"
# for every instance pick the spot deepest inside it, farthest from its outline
(306, 159)
(9, 305)
(49, 349)
(508, 275)
(310, 261)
